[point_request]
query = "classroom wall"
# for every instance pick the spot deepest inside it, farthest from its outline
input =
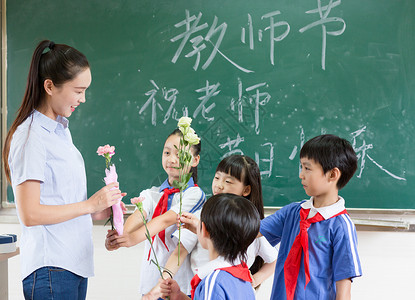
(388, 262)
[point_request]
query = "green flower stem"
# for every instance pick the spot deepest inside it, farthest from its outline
(180, 227)
(151, 242)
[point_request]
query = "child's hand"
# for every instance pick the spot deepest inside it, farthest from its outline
(189, 222)
(154, 294)
(110, 242)
(125, 240)
(169, 288)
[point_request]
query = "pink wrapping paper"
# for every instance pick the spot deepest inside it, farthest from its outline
(117, 213)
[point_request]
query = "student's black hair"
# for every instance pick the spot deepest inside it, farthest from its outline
(232, 222)
(246, 170)
(195, 151)
(57, 62)
(331, 151)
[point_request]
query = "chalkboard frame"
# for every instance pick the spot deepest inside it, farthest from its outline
(4, 108)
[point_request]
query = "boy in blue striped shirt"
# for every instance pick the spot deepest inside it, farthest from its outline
(228, 225)
(318, 253)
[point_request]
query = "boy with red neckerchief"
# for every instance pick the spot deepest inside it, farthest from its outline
(228, 225)
(318, 253)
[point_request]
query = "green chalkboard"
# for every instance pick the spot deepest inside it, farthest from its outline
(258, 77)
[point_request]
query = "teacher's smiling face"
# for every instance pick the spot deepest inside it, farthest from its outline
(63, 99)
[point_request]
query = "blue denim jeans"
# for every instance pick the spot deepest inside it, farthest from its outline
(50, 283)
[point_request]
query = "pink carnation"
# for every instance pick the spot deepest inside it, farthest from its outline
(137, 200)
(102, 150)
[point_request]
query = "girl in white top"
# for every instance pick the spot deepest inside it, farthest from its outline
(239, 175)
(161, 225)
(47, 174)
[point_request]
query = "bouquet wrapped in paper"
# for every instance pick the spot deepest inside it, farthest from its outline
(117, 214)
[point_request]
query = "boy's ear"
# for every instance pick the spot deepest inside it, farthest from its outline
(334, 174)
(204, 232)
(195, 160)
(246, 191)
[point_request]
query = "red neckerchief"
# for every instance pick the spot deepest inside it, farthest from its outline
(293, 261)
(160, 209)
(240, 271)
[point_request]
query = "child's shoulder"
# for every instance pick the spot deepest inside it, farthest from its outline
(233, 286)
(154, 191)
(293, 207)
(194, 191)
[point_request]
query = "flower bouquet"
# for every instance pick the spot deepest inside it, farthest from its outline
(188, 139)
(117, 214)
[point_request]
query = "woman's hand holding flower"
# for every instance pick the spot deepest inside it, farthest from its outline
(105, 197)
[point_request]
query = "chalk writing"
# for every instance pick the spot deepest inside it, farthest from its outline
(210, 91)
(361, 152)
(324, 11)
(192, 27)
(154, 104)
(233, 148)
(255, 99)
(269, 161)
(271, 29)
(170, 96)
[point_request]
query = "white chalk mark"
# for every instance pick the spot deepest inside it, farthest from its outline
(233, 63)
(271, 28)
(323, 20)
(384, 170)
(293, 153)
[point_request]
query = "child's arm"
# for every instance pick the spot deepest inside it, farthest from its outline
(343, 289)
(172, 266)
(133, 234)
(170, 288)
(266, 271)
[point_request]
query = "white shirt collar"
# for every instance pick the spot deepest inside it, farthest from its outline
(327, 211)
(212, 265)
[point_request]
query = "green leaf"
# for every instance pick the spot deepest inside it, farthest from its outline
(176, 184)
(187, 177)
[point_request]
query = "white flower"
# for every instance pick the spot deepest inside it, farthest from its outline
(191, 137)
(184, 122)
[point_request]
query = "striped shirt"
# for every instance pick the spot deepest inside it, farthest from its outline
(333, 252)
(193, 200)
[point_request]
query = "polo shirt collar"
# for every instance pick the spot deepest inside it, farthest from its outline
(49, 124)
(212, 265)
(327, 211)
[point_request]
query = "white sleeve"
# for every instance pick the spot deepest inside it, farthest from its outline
(193, 200)
(266, 251)
(148, 203)
(187, 238)
(27, 157)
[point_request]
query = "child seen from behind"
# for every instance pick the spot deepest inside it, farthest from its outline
(228, 225)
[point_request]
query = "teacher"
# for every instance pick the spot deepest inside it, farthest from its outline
(47, 173)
